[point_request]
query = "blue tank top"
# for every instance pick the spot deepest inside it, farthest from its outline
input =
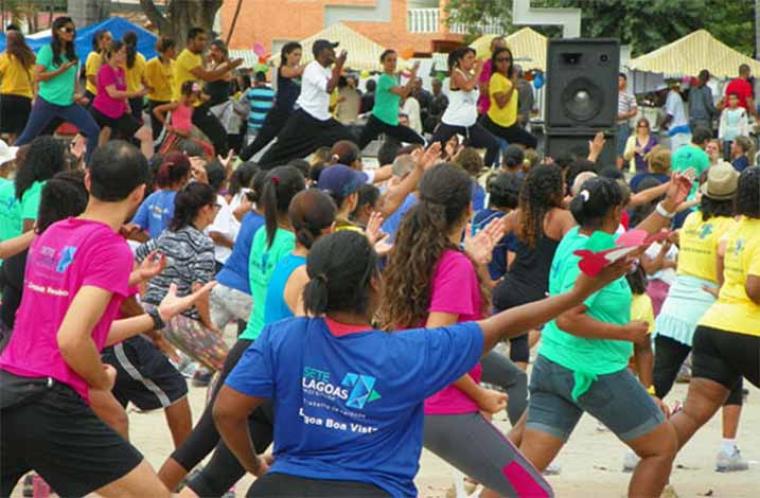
(275, 307)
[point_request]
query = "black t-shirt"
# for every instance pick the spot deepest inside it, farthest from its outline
(288, 90)
(12, 283)
(218, 91)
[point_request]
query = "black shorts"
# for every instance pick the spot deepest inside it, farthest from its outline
(56, 434)
(725, 357)
(144, 375)
(288, 486)
(14, 111)
(126, 124)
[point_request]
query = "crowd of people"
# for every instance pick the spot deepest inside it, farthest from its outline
(378, 310)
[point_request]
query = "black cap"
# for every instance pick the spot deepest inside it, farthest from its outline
(322, 44)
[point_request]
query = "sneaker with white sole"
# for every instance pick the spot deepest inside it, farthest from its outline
(730, 463)
(553, 469)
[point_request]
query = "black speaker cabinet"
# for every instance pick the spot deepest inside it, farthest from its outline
(575, 143)
(581, 82)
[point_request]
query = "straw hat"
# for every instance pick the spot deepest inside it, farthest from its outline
(722, 182)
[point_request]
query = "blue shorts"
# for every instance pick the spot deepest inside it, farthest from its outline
(617, 400)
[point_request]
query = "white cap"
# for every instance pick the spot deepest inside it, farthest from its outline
(7, 153)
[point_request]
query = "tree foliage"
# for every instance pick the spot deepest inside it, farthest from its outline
(181, 15)
(643, 24)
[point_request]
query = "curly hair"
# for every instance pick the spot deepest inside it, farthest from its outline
(46, 157)
(423, 236)
(541, 192)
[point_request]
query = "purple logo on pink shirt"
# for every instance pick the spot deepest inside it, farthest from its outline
(67, 257)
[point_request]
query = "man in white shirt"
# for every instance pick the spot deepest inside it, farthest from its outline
(311, 126)
(675, 118)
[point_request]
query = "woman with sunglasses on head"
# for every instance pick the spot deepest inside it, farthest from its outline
(501, 118)
(347, 424)
(461, 116)
(17, 88)
(726, 345)
(111, 105)
(385, 112)
(56, 74)
(638, 146)
(288, 88)
(582, 363)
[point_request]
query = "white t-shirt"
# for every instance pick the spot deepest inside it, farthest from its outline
(412, 109)
(314, 98)
(674, 107)
(667, 275)
(226, 224)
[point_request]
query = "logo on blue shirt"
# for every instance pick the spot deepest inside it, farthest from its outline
(362, 392)
(706, 231)
(67, 257)
(739, 247)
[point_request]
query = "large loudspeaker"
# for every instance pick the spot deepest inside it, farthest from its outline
(575, 143)
(581, 82)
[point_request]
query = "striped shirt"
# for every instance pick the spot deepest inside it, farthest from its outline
(189, 259)
(626, 103)
(261, 99)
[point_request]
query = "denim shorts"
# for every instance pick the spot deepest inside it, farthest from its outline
(617, 400)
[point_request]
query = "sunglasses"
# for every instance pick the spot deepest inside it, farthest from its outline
(503, 59)
(67, 29)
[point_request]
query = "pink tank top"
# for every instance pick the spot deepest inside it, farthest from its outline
(182, 118)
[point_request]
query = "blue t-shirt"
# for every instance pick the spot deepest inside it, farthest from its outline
(498, 265)
(478, 196)
(390, 225)
(156, 212)
(275, 307)
(234, 274)
(740, 163)
(350, 406)
(260, 100)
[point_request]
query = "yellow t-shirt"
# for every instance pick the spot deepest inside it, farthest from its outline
(698, 250)
(159, 77)
(507, 115)
(91, 68)
(14, 79)
(134, 76)
(734, 311)
(182, 66)
(641, 309)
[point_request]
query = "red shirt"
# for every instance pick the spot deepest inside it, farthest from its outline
(742, 88)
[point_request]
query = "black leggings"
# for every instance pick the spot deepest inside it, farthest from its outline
(205, 437)
(402, 133)
(273, 124)
(212, 127)
(669, 355)
(475, 136)
(514, 134)
(288, 486)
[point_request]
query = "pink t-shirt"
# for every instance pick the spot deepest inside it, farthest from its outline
(107, 76)
(484, 100)
(455, 290)
(182, 118)
(69, 255)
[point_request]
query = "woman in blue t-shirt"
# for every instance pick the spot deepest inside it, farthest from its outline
(157, 210)
(348, 398)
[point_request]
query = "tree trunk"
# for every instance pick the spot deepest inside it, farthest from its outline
(86, 12)
(181, 15)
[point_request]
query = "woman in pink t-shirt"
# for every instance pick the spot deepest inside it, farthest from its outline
(110, 107)
(430, 281)
(484, 100)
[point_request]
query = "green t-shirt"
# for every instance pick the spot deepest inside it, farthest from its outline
(386, 102)
(691, 156)
(30, 201)
(587, 358)
(10, 211)
(261, 264)
(59, 90)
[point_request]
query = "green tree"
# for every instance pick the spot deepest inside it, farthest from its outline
(732, 23)
(472, 13)
(179, 16)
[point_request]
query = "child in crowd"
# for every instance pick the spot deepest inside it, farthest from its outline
(733, 123)
(742, 153)
(469, 159)
(181, 121)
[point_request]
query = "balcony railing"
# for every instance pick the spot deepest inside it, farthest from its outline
(429, 21)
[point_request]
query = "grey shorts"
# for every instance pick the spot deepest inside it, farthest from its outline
(617, 400)
(228, 305)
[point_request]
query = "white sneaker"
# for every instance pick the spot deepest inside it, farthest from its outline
(730, 463)
(553, 469)
(630, 461)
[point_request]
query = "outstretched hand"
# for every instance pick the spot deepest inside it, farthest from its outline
(151, 266)
(480, 246)
(172, 305)
(373, 230)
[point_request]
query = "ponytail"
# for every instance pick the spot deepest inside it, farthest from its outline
(595, 199)
(188, 202)
(315, 295)
(280, 186)
(130, 40)
(174, 168)
(311, 212)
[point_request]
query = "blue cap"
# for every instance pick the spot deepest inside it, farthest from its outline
(340, 180)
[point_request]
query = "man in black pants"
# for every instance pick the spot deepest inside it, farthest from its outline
(311, 126)
(189, 66)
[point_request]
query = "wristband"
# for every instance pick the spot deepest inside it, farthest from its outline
(651, 391)
(660, 209)
(158, 322)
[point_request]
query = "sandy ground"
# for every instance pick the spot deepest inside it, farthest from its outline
(590, 462)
